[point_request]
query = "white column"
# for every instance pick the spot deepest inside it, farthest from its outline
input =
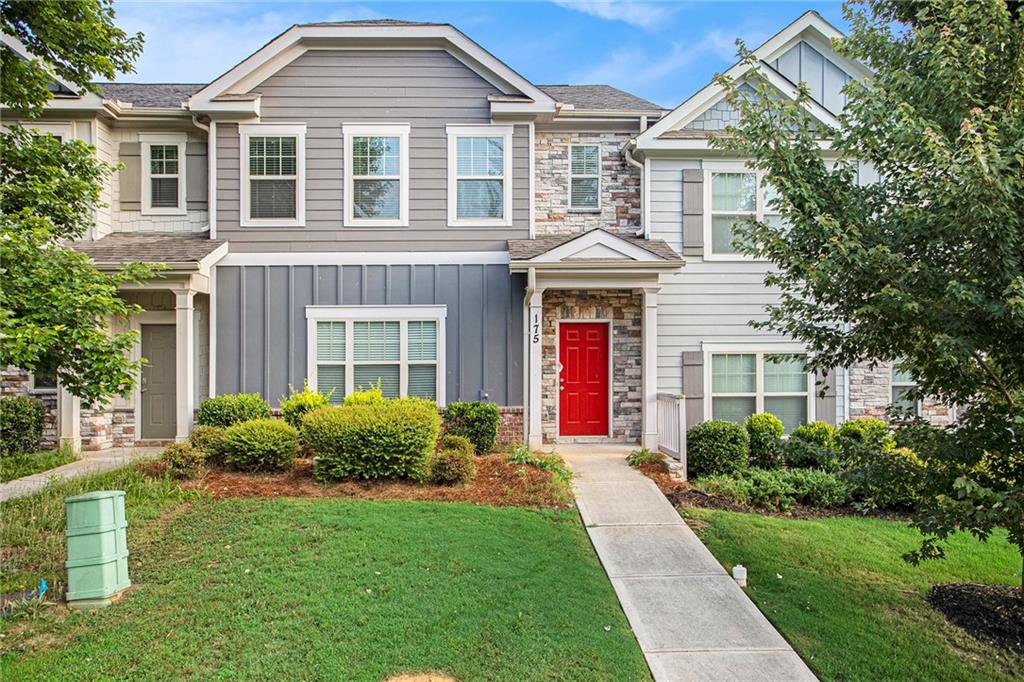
(650, 369)
(69, 419)
(534, 341)
(184, 351)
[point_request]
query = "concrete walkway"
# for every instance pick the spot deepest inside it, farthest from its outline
(88, 463)
(692, 621)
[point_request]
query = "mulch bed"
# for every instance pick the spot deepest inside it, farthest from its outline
(497, 483)
(991, 613)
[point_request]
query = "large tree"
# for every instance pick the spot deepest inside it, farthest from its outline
(54, 304)
(924, 267)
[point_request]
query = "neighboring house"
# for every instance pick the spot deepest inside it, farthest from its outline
(385, 201)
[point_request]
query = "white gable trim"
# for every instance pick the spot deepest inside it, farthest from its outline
(596, 244)
(294, 42)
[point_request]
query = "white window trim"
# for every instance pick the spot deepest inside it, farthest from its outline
(359, 313)
(146, 142)
(39, 389)
(893, 384)
(759, 350)
(399, 130)
(65, 131)
(572, 176)
(298, 130)
(758, 213)
(485, 130)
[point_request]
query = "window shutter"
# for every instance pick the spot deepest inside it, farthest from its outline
(825, 404)
(130, 178)
(693, 213)
(693, 386)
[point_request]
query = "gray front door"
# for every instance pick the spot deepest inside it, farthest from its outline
(158, 379)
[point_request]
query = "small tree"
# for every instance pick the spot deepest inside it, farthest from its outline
(926, 265)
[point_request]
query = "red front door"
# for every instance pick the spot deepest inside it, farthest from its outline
(583, 379)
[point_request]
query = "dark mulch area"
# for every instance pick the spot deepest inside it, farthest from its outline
(991, 613)
(497, 483)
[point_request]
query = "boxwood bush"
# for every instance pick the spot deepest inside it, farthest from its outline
(884, 477)
(450, 441)
(295, 406)
(716, 447)
(210, 440)
(183, 460)
(765, 432)
(391, 439)
(867, 431)
(21, 425)
(812, 446)
(476, 421)
(225, 410)
(260, 445)
(452, 467)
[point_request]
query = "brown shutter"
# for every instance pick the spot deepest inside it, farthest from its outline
(693, 212)
(693, 386)
(196, 175)
(825, 403)
(130, 185)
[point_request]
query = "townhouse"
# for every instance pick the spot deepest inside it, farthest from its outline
(386, 202)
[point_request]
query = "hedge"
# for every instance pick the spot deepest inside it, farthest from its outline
(229, 409)
(260, 445)
(21, 425)
(716, 447)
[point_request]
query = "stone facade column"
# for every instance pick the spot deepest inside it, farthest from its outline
(649, 439)
(534, 338)
(184, 344)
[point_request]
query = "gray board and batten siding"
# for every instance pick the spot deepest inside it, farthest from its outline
(261, 322)
(428, 89)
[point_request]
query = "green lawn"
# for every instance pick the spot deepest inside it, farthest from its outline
(16, 466)
(847, 602)
(343, 589)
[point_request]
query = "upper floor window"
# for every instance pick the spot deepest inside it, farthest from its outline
(902, 384)
(733, 197)
(273, 174)
(479, 175)
(376, 175)
(743, 384)
(585, 177)
(163, 173)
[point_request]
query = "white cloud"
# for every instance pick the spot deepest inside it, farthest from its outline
(640, 14)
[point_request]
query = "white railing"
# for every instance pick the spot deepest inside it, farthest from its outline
(672, 426)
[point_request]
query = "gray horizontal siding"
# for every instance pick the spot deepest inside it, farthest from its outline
(261, 322)
(428, 89)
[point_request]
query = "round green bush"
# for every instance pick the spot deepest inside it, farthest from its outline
(716, 447)
(765, 432)
(477, 421)
(867, 431)
(392, 439)
(225, 410)
(208, 439)
(183, 460)
(820, 433)
(260, 445)
(295, 406)
(21, 425)
(807, 454)
(452, 467)
(450, 441)
(886, 477)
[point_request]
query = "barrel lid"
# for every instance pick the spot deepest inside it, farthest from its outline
(96, 495)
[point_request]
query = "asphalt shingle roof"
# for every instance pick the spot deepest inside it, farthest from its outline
(157, 95)
(525, 249)
(149, 247)
(598, 97)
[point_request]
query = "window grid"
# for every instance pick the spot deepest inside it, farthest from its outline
(162, 177)
(748, 373)
(480, 175)
(585, 176)
(377, 163)
(722, 217)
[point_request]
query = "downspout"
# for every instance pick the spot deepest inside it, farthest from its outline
(531, 286)
(636, 164)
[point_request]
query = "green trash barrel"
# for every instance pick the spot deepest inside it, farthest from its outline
(97, 548)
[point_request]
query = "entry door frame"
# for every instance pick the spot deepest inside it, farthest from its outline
(611, 382)
(136, 322)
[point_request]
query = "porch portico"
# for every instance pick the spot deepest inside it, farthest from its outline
(591, 311)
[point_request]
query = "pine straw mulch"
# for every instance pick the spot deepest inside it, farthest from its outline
(497, 483)
(991, 613)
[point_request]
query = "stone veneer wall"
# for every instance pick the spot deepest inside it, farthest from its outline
(620, 186)
(625, 309)
(15, 381)
(871, 393)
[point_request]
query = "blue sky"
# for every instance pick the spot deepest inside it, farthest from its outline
(663, 51)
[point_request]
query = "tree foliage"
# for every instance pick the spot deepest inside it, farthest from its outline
(925, 266)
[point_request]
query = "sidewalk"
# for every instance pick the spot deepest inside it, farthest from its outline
(89, 463)
(692, 621)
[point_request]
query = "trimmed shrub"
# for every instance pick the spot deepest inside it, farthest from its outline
(819, 488)
(225, 410)
(476, 421)
(21, 425)
(209, 440)
(371, 395)
(821, 434)
(866, 431)
(778, 489)
(452, 442)
(452, 467)
(642, 456)
(716, 447)
(260, 445)
(921, 437)
(298, 403)
(806, 454)
(885, 477)
(765, 433)
(183, 460)
(391, 439)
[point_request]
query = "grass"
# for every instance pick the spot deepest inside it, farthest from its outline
(838, 590)
(16, 466)
(340, 589)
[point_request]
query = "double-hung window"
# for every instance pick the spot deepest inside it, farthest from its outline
(903, 384)
(732, 197)
(376, 174)
(163, 173)
(273, 174)
(479, 175)
(398, 348)
(584, 177)
(744, 383)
